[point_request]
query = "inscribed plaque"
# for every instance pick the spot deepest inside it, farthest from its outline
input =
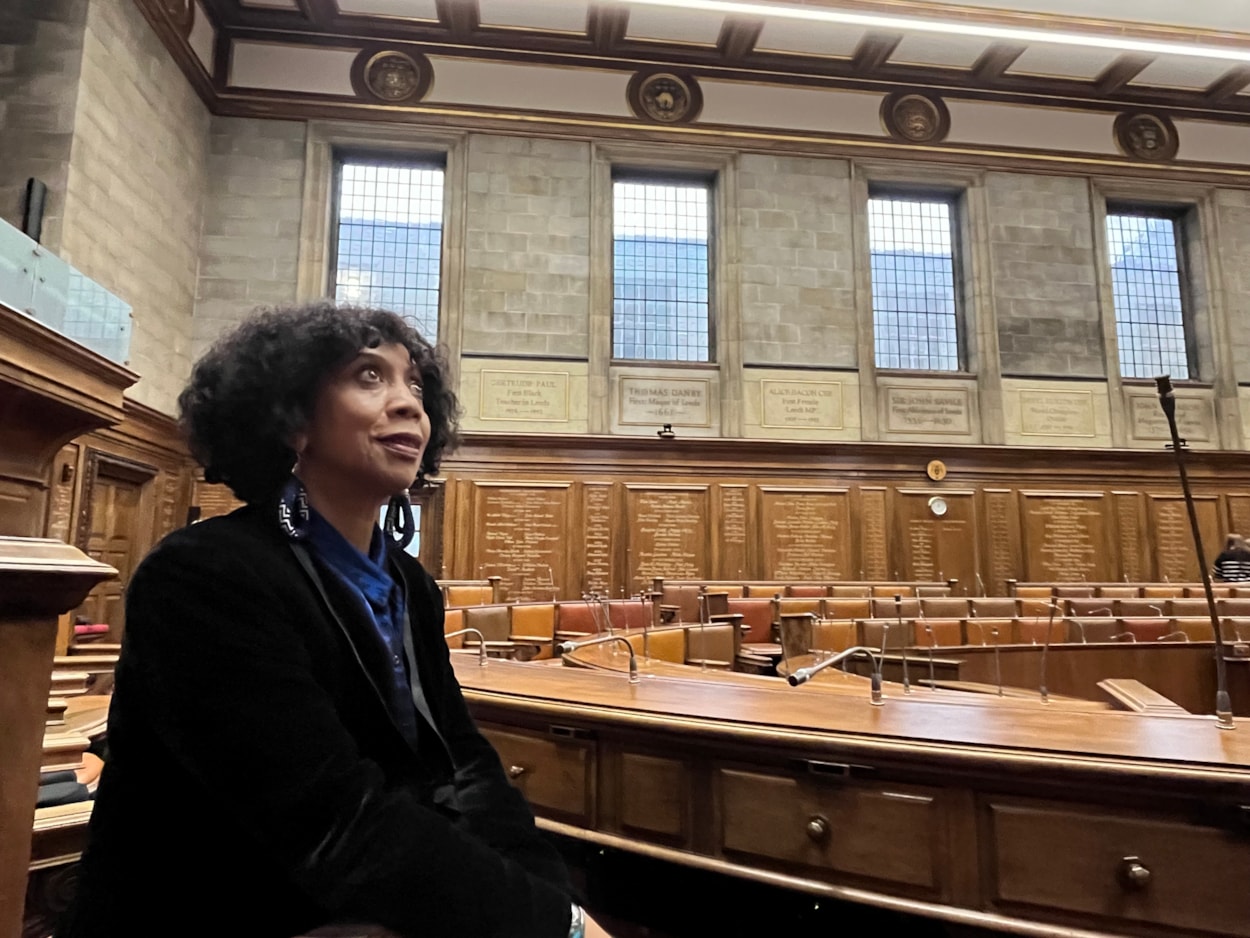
(683, 402)
(522, 536)
(1193, 418)
(806, 534)
(1065, 537)
(927, 410)
(815, 405)
(1044, 412)
(525, 395)
(668, 534)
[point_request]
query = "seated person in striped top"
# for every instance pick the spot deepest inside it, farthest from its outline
(1233, 563)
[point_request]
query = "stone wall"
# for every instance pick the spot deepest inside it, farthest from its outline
(136, 188)
(527, 247)
(250, 246)
(41, 45)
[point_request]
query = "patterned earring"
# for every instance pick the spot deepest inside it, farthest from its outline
(400, 526)
(293, 511)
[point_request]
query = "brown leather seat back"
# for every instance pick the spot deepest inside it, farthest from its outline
(990, 631)
(993, 607)
(828, 635)
(453, 621)
(713, 644)
(757, 613)
(847, 608)
(494, 622)
(945, 607)
(883, 607)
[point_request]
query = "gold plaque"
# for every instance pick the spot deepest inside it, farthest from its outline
(936, 470)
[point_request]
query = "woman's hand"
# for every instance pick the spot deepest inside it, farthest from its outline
(594, 929)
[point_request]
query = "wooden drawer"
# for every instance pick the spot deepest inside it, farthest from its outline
(556, 773)
(894, 834)
(1119, 866)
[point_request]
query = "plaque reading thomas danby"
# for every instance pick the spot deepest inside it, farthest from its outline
(524, 395)
(1044, 412)
(682, 402)
(815, 405)
(927, 410)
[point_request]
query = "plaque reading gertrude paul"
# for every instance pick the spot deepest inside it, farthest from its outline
(927, 410)
(815, 405)
(524, 395)
(683, 402)
(1056, 413)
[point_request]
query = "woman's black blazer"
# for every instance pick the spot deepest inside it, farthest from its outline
(256, 783)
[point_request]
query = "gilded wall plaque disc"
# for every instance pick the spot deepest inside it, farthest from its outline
(392, 76)
(936, 470)
(1146, 136)
(912, 117)
(665, 97)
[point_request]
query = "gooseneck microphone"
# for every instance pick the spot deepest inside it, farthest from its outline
(481, 643)
(1223, 703)
(803, 675)
(898, 614)
(567, 647)
(932, 641)
(1045, 648)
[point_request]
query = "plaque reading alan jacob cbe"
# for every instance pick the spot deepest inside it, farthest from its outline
(814, 405)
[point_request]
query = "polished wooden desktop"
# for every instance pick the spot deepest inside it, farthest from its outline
(1007, 813)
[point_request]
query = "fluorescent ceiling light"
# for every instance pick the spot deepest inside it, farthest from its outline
(873, 21)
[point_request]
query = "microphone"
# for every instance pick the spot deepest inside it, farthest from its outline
(1223, 702)
(567, 647)
(980, 585)
(1045, 648)
(898, 614)
(481, 643)
(998, 667)
(932, 641)
(1080, 625)
(1180, 633)
(803, 675)
(1158, 611)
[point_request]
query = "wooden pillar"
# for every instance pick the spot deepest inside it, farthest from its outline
(39, 579)
(51, 390)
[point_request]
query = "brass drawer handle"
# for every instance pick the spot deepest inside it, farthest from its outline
(1134, 874)
(516, 771)
(817, 828)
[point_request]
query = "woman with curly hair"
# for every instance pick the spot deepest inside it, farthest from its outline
(289, 747)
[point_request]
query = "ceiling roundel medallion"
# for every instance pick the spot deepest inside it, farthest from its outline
(1146, 136)
(665, 97)
(912, 117)
(181, 13)
(392, 76)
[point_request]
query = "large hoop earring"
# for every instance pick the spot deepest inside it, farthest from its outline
(400, 525)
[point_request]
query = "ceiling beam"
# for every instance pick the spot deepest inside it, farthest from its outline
(995, 60)
(1120, 72)
(874, 50)
(319, 12)
(606, 24)
(1228, 84)
(738, 36)
(461, 18)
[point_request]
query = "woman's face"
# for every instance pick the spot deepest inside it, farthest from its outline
(369, 428)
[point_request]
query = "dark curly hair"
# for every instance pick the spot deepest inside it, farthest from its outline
(256, 387)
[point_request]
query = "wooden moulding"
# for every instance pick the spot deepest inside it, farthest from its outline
(40, 578)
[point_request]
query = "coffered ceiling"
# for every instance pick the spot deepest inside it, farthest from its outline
(1191, 58)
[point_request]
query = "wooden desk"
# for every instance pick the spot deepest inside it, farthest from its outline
(1007, 815)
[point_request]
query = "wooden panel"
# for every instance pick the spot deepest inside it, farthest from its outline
(1176, 557)
(1063, 857)
(61, 492)
(668, 533)
(895, 834)
(1134, 563)
(1065, 536)
(730, 546)
(805, 533)
(655, 797)
(555, 775)
(597, 530)
(213, 500)
(1002, 530)
(1239, 514)
(521, 534)
(931, 546)
(874, 554)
